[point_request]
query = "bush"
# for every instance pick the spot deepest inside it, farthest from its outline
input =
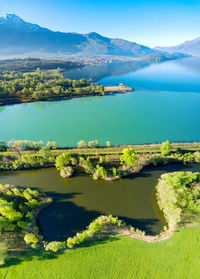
(99, 172)
(44, 152)
(108, 143)
(30, 238)
(96, 226)
(86, 164)
(188, 158)
(93, 143)
(66, 172)
(81, 144)
(52, 145)
(197, 157)
(55, 246)
(165, 148)
(157, 160)
(128, 158)
(62, 161)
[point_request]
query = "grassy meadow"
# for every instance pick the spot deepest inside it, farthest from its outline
(123, 258)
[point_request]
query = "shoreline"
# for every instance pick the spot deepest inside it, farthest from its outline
(108, 91)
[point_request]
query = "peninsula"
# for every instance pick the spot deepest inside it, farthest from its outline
(19, 87)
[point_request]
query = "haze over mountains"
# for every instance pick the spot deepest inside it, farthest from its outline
(189, 47)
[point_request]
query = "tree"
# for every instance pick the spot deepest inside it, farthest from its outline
(166, 148)
(108, 143)
(52, 145)
(30, 238)
(93, 143)
(44, 152)
(129, 159)
(81, 144)
(62, 161)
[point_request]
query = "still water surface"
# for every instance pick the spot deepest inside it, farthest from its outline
(164, 105)
(79, 200)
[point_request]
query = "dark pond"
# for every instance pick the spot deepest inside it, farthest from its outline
(79, 200)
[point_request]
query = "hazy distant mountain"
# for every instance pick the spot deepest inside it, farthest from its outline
(189, 47)
(18, 37)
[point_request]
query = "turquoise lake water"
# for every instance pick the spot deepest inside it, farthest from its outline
(164, 105)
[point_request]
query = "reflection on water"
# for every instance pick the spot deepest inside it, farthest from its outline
(79, 200)
(97, 72)
(164, 105)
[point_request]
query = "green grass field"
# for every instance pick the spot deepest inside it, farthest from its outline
(123, 258)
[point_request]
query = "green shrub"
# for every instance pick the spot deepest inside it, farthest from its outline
(55, 246)
(108, 143)
(99, 172)
(165, 148)
(52, 145)
(66, 172)
(30, 238)
(81, 144)
(129, 158)
(96, 226)
(62, 161)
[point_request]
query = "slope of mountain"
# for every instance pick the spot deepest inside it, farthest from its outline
(18, 37)
(189, 47)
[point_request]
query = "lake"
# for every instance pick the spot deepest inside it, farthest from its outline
(165, 105)
(79, 200)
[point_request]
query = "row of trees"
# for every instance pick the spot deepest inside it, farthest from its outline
(92, 143)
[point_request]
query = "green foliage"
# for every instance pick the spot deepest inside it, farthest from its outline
(86, 164)
(3, 252)
(52, 145)
(62, 161)
(25, 145)
(96, 226)
(55, 246)
(93, 143)
(17, 211)
(30, 238)
(178, 193)
(45, 152)
(99, 172)
(27, 161)
(129, 158)
(66, 172)
(188, 158)
(81, 144)
(158, 160)
(100, 160)
(44, 85)
(108, 143)
(165, 148)
(116, 172)
(197, 157)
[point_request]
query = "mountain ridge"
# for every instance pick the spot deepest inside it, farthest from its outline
(191, 47)
(19, 36)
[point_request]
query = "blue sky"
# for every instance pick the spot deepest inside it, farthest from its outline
(150, 22)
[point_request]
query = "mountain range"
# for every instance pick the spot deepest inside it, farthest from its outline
(20, 37)
(189, 47)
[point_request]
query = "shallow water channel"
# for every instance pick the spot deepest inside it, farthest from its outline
(79, 200)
